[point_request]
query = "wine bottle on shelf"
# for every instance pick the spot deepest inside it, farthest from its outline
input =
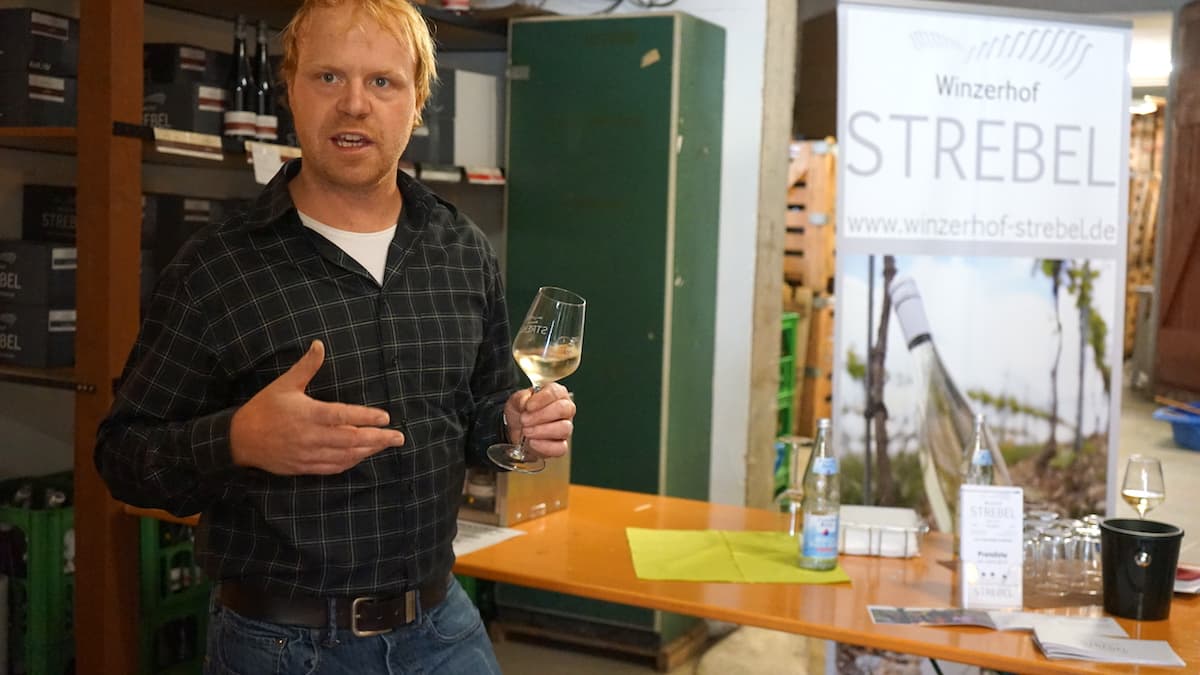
(947, 421)
(822, 503)
(241, 121)
(266, 122)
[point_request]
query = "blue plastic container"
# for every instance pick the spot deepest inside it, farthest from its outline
(1184, 426)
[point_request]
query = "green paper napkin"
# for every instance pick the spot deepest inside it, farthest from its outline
(723, 556)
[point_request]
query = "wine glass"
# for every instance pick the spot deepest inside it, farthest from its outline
(547, 348)
(1143, 488)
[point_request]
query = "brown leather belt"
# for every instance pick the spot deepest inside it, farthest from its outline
(364, 615)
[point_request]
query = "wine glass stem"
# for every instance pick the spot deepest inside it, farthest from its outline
(520, 452)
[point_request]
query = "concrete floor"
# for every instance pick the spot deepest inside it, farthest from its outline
(753, 650)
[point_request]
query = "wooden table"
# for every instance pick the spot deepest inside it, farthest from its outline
(583, 551)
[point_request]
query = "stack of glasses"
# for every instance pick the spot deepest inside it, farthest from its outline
(1062, 555)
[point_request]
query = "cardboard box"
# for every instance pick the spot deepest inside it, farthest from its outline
(48, 213)
(39, 42)
(32, 99)
(176, 218)
(462, 122)
(433, 141)
(36, 336)
(37, 273)
(170, 63)
(147, 278)
(443, 97)
(478, 120)
(189, 106)
(286, 129)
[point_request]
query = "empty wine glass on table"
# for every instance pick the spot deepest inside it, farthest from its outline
(547, 348)
(1143, 488)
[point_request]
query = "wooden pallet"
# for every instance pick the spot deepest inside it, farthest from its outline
(808, 248)
(594, 636)
(799, 299)
(1145, 186)
(1144, 189)
(1135, 276)
(816, 390)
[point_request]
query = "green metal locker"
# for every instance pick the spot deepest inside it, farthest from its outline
(614, 161)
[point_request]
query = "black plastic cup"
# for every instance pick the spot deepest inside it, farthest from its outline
(1139, 559)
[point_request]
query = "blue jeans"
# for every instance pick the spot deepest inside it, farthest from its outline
(448, 639)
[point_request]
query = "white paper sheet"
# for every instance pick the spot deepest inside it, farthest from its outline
(267, 160)
(1058, 642)
(1096, 625)
(473, 536)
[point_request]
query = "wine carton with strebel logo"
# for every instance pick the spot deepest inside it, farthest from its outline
(175, 219)
(39, 42)
(187, 106)
(168, 63)
(48, 215)
(34, 99)
(37, 273)
(36, 336)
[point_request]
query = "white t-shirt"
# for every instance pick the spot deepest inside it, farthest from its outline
(370, 249)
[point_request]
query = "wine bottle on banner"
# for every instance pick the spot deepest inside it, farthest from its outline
(240, 119)
(821, 504)
(979, 464)
(266, 123)
(946, 419)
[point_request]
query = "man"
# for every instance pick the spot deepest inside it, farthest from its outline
(312, 376)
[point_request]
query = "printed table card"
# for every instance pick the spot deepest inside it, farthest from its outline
(990, 550)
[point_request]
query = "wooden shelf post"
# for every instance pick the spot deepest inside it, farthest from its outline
(109, 216)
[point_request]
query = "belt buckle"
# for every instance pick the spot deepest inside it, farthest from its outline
(354, 619)
(410, 614)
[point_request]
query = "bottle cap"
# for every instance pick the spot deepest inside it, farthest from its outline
(906, 301)
(823, 423)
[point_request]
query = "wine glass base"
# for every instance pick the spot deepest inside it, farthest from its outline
(508, 456)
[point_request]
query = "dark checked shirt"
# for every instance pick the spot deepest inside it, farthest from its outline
(239, 305)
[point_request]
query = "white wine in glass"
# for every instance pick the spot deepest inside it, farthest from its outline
(550, 364)
(547, 348)
(1143, 487)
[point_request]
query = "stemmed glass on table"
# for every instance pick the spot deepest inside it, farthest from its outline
(1143, 488)
(547, 348)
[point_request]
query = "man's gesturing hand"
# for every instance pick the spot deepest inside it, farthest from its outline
(284, 431)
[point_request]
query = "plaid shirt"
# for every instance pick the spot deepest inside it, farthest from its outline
(237, 307)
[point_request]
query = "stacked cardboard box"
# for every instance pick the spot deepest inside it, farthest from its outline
(184, 87)
(37, 272)
(37, 304)
(39, 61)
(460, 125)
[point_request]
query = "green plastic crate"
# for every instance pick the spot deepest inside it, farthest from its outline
(788, 326)
(787, 353)
(174, 640)
(170, 577)
(785, 414)
(787, 375)
(174, 596)
(41, 577)
(55, 658)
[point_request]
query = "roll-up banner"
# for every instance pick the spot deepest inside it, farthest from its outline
(983, 182)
